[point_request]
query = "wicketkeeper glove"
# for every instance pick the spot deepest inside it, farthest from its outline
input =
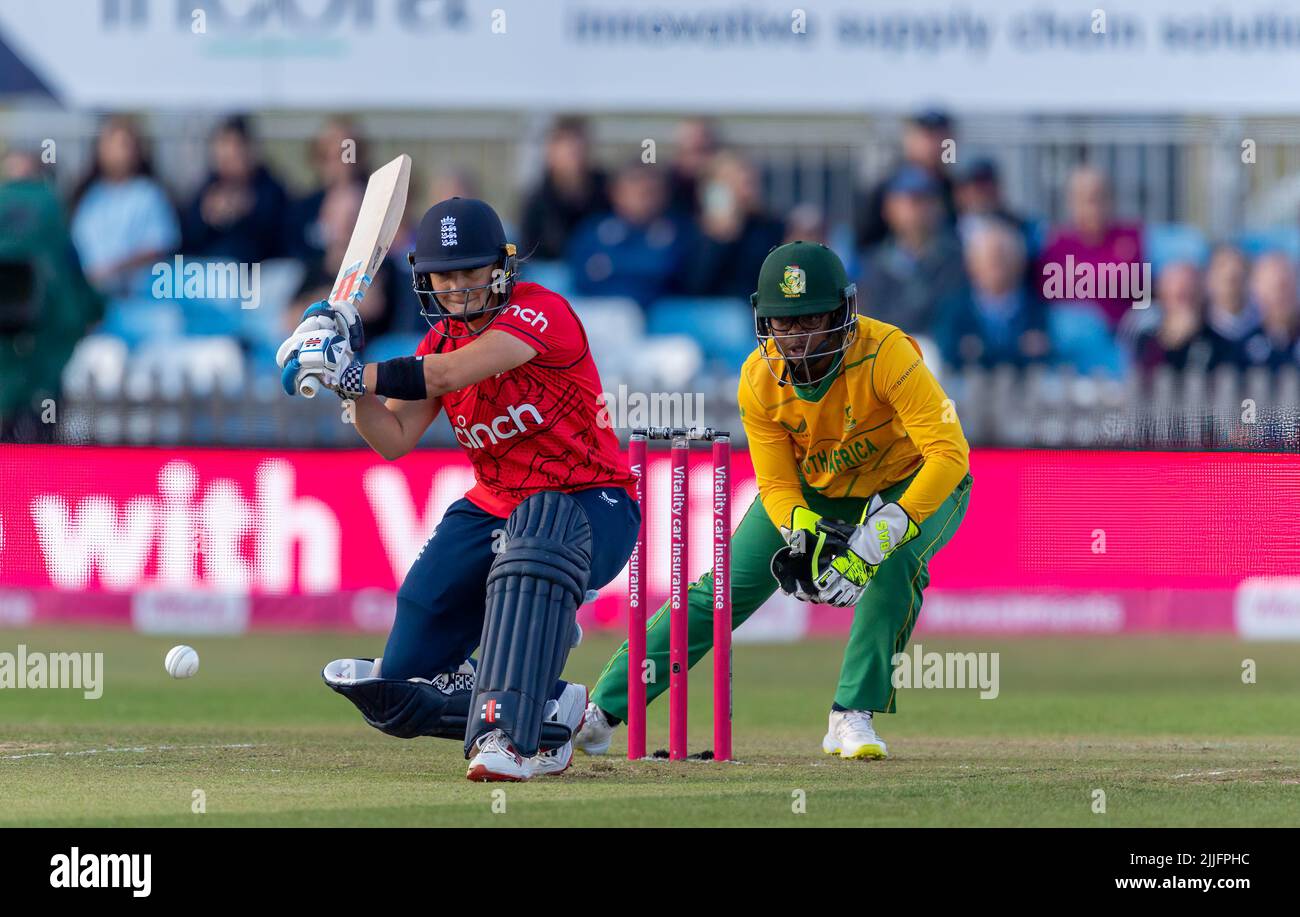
(816, 564)
(885, 527)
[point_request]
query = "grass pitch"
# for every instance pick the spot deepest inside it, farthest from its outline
(1165, 727)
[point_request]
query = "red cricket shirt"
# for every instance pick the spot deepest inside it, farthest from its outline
(534, 428)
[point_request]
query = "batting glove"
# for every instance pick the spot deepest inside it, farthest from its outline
(325, 356)
(337, 318)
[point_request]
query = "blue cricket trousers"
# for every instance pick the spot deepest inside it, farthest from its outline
(440, 606)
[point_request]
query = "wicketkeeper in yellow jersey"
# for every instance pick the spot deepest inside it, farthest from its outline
(862, 473)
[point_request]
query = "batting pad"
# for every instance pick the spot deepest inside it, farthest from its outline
(533, 592)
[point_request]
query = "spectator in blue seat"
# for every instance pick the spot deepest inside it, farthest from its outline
(338, 157)
(695, 142)
(735, 234)
(1276, 342)
(238, 213)
(1093, 243)
(570, 192)
(806, 222)
(1173, 331)
(920, 265)
(385, 308)
(977, 191)
(638, 249)
(122, 220)
(924, 135)
(999, 318)
(1230, 312)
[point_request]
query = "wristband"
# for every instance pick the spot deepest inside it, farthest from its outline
(350, 385)
(401, 378)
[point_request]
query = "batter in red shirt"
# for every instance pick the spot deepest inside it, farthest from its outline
(534, 427)
(551, 515)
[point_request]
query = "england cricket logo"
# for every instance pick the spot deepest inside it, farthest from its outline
(795, 282)
(448, 231)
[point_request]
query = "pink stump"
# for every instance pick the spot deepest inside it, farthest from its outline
(722, 599)
(678, 636)
(636, 587)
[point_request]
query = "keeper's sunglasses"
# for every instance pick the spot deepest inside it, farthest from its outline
(799, 323)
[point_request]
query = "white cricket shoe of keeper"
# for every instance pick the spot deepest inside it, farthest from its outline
(593, 737)
(496, 759)
(852, 734)
(570, 710)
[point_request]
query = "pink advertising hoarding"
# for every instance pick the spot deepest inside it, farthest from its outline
(226, 540)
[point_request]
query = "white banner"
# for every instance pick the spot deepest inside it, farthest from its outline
(708, 55)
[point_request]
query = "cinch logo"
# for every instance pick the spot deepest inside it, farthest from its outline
(507, 425)
(532, 316)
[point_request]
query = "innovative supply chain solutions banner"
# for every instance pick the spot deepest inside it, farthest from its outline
(707, 55)
(223, 541)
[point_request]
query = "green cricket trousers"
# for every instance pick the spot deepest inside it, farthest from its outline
(882, 619)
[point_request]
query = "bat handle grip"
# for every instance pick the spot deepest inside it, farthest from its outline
(308, 386)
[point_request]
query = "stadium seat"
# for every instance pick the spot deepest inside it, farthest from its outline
(841, 240)
(96, 367)
(212, 317)
(1081, 337)
(723, 328)
(267, 325)
(554, 275)
(665, 362)
(615, 326)
(1037, 232)
(171, 370)
(1168, 243)
(138, 319)
(1285, 239)
(388, 346)
(930, 353)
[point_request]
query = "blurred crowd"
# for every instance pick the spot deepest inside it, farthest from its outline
(935, 249)
(933, 246)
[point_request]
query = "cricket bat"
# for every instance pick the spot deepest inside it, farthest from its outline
(381, 214)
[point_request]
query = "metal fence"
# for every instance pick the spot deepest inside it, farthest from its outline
(1225, 410)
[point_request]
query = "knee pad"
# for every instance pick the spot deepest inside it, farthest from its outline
(533, 592)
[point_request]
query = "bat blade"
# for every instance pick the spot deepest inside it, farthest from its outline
(377, 222)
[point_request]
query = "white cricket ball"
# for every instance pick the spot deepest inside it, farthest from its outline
(181, 661)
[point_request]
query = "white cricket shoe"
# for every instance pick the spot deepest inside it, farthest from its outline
(593, 737)
(496, 759)
(570, 710)
(853, 735)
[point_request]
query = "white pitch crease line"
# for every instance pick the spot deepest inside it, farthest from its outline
(136, 750)
(1234, 770)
